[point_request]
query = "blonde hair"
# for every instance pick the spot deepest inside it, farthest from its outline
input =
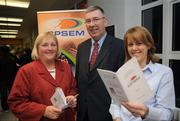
(139, 33)
(39, 40)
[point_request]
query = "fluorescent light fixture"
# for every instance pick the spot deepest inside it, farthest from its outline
(11, 19)
(15, 3)
(8, 36)
(9, 24)
(8, 30)
(2, 2)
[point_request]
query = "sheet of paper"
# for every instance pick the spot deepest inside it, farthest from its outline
(113, 85)
(58, 99)
(128, 83)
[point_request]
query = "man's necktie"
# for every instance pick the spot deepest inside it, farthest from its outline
(94, 55)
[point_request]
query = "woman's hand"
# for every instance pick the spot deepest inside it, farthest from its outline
(117, 119)
(72, 101)
(52, 113)
(137, 109)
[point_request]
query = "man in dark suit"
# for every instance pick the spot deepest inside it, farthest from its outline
(94, 100)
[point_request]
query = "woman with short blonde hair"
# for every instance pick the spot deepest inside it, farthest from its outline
(36, 82)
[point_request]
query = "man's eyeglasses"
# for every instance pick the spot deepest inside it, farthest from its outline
(94, 20)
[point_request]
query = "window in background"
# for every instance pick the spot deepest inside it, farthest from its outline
(147, 1)
(152, 20)
(160, 61)
(110, 30)
(162, 18)
(175, 64)
(176, 27)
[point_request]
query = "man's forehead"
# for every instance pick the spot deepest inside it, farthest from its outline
(95, 13)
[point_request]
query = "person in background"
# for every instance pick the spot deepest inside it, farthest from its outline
(101, 51)
(26, 57)
(35, 83)
(8, 70)
(19, 52)
(140, 44)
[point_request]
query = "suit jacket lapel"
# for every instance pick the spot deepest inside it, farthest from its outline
(103, 52)
(86, 55)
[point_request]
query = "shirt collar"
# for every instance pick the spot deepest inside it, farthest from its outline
(100, 42)
(148, 67)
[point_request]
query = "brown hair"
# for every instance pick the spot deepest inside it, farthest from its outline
(139, 33)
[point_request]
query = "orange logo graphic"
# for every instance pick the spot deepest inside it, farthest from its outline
(69, 23)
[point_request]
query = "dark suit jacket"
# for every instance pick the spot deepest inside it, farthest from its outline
(93, 97)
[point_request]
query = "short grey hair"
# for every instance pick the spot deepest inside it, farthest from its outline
(93, 8)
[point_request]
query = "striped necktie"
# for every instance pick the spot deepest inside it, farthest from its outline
(94, 54)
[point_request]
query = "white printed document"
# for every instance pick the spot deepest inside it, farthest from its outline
(127, 84)
(58, 99)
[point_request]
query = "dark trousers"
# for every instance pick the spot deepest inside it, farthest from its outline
(4, 97)
(85, 118)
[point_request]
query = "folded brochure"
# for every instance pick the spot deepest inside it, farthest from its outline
(58, 99)
(127, 84)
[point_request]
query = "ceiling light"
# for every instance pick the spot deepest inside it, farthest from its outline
(8, 36)
(15, 3)
(11, 19)
(8, 30)
(9, 24)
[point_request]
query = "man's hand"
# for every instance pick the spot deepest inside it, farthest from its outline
(117, 119)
